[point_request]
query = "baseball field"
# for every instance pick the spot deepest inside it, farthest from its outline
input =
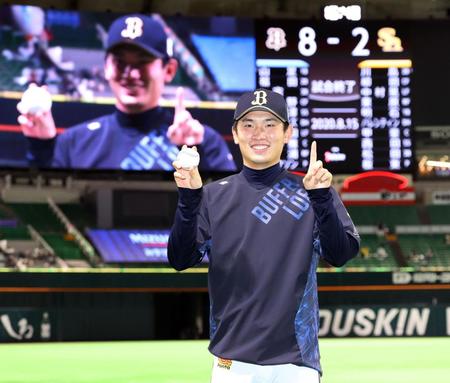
(380, 360)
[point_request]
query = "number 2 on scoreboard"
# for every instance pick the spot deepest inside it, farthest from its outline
(307, 44)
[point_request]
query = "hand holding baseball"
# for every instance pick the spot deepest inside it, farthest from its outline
(186, 171)
(35, 116)
(317, 176)
(185, 130)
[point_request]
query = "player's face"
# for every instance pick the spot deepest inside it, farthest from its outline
(261, 137)
(136, 78)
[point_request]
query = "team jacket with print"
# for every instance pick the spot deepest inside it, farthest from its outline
(124, 141)
(263, 242)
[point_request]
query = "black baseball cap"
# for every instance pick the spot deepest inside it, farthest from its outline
(141, 31)
(262, 99)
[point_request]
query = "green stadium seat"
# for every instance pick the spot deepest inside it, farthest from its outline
(425, 250)
(38, 215)
(369, 247)
(439, 214)
(63, 248)
(19, 232)
(42, 218)
(390, 215)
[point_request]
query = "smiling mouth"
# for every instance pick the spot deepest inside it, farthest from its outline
(259, 148)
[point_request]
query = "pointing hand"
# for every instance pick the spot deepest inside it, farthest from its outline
(185, 130)
(317, 176)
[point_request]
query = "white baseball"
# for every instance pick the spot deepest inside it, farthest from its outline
(34, 100)
(188, 158)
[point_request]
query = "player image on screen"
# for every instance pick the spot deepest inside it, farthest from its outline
(263, 230)
(139, 135)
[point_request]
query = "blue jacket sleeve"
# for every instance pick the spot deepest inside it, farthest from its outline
(40, 152)
(54, 152)
(338, 236)
(188, 240)
(214, 152)
(61, 154)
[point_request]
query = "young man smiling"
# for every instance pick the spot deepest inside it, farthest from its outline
(139, 135)
(263, 231)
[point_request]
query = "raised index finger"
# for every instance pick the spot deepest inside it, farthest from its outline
(179, 100)
(312, 155)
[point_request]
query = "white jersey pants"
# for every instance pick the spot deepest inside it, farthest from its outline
(231, 371)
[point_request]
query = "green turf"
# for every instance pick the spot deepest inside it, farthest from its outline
(388, 360)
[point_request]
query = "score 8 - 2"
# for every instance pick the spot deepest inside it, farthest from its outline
(388, 41)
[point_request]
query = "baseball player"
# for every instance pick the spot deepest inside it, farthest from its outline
(263, 230)
(139, 135)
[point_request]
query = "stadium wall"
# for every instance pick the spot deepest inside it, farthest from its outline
(167, 305)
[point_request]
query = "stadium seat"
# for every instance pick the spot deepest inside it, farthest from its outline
(425, 250)
(388, 215)
(371, 256)
(439, 214)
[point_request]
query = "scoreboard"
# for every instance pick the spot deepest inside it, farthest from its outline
(347, 85)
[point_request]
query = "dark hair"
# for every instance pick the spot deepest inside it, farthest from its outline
(285, 125)
(165, 59)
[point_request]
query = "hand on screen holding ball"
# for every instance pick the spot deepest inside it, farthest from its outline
(186, 169)
(35, 117)
(317, 176)
(185, 129)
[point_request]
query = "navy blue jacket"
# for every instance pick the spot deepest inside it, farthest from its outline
(263, 234)
(128, 142)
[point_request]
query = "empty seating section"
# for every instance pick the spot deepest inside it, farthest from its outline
(63, 248)
(390, 216)
(375, 253)
(425, 250)
(439, 214)
(37, 215)
(41, 217)
(420, 250)
(11, 227)
(14, 233)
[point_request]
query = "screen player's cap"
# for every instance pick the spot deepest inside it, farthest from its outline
(141, 31)
(262, 99)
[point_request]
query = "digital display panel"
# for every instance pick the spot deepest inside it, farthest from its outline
(130, 246)
(65, 51)
(348, 86)
(357, 88)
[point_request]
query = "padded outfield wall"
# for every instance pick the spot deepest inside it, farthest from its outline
(163, 304)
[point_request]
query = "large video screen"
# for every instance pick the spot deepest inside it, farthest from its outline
(86, 128)
(351, 86)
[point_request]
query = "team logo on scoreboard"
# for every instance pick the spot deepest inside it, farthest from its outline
(276, 38)
(260, 97)
(134, 28)
(388, 41)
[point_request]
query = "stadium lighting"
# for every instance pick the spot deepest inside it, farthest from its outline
(439, 164)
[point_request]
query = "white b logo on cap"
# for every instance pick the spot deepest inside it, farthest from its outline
(260, 97)
(133, 28)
